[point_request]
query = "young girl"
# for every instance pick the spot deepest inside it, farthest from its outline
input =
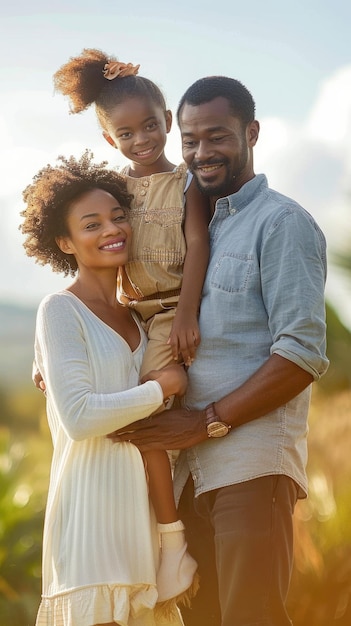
(100, 546)
(164, 276)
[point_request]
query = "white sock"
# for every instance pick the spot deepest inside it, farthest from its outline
(177, 567)
(173, 536)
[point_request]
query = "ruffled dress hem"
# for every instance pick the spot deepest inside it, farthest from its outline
(87, 606)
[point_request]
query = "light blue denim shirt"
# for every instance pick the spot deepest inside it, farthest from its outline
(263, 295)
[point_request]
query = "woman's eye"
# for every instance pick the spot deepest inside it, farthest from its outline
(121, 216)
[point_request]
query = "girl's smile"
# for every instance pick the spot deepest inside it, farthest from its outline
(138, 128)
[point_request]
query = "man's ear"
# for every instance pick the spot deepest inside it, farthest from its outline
(168, 118)
(253, 130)
(109, 139)
(64, 243)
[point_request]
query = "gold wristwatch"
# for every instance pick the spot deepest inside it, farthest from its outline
(215, 427)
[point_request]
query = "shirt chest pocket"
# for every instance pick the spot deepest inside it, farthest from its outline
(231, 272)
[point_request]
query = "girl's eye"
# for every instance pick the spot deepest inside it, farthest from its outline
(151, 126)
(125, 136)
(90, 226)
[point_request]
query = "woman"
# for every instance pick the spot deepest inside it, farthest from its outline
(100, 548)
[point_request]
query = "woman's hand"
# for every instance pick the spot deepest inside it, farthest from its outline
(37, 378)
(173, 380)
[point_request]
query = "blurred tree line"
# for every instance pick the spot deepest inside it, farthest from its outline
(25, 454)
(321, 586)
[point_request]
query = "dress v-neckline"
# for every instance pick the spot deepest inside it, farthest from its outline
(134, 317)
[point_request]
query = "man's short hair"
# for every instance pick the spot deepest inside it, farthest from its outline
(207, 89)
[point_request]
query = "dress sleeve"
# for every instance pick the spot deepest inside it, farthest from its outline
(61, 355)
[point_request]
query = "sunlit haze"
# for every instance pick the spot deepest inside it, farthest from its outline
(295, 58)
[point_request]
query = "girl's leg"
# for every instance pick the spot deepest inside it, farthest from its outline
(175, 576)
(161, 485)
(158, 352)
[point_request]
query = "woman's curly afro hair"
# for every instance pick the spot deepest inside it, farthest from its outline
(48, 199)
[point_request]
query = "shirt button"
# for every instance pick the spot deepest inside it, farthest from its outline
(143, 192)
(145, 183)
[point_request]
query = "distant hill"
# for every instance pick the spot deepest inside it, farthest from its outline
(17, 326)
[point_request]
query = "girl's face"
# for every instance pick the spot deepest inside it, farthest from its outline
(138, 128)
(99, 231)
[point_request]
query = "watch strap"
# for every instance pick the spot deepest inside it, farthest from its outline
(213, 419)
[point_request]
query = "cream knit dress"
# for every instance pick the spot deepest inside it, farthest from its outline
(100, 546)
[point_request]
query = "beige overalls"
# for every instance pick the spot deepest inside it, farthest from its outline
(150, 283)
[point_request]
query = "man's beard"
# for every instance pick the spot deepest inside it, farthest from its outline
(218, 191)
(225, 188)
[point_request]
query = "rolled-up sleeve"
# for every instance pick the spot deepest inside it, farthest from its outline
(293, 274)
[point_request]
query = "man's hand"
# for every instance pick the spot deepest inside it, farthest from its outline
(176, 429)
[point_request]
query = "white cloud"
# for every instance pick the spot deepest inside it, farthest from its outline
(312, 164)
(330, 120)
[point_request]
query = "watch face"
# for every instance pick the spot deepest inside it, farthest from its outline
(217, 429)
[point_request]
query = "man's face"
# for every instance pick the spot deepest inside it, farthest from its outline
(216, 146)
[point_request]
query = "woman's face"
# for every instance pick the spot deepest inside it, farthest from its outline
(99, 231)
(138, 128)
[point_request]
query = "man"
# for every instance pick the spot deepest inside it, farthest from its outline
(262, 322)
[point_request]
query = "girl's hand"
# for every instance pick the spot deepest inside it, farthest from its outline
(173, 380)
(184, 337)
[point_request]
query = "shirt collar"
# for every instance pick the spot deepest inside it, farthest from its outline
(239, 200)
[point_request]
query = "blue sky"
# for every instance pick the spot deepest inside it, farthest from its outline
(295, 57)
